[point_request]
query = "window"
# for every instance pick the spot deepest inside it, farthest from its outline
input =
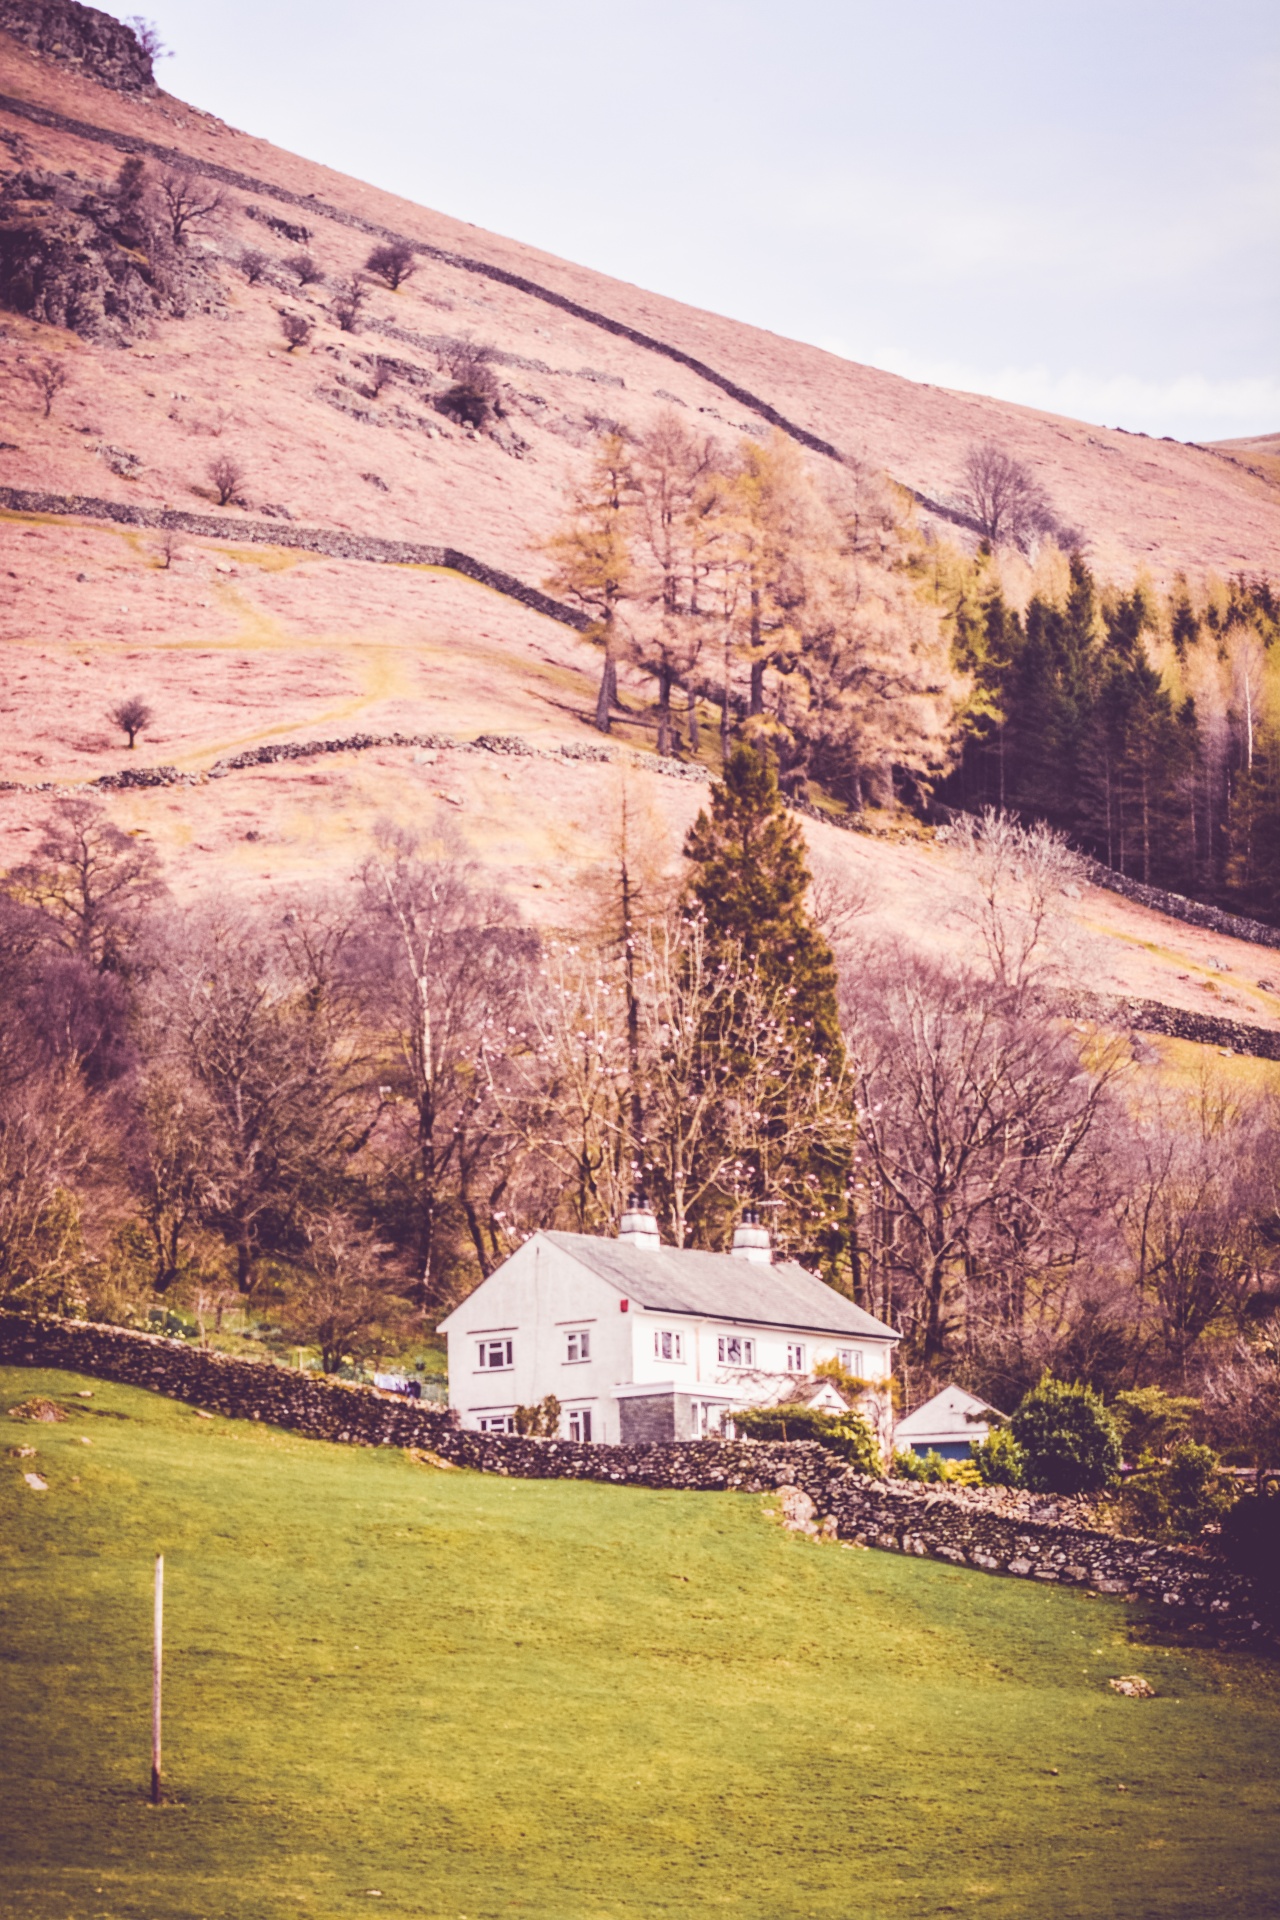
(853, 1360)
(667, 1345)
(579, 1423)
(578, 1345)
(494, 1354)
(736, 1352)
(795, 1358)
(496, 1423)
(708, 1418)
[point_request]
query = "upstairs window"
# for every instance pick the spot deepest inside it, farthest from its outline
(795, 1357)
(578, 1344)
(494, 1354)
(667, 1345)
(735, 1351)
(854, 1361)
(579, 1423)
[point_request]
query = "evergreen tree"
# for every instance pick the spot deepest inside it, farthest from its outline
(750, 881)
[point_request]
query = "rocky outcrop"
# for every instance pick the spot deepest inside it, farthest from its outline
(81, 37)
(990, 1529)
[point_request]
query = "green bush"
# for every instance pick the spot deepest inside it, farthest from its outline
(933, 1468)
(999, 1459)
(1069, 1439)
(1177, 1498)
(1150, 1420)
(844, 1433)
(542, 1420)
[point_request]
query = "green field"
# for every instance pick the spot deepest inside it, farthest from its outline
(483, 1696)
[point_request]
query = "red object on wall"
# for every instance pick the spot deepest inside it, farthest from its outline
(623, 1305)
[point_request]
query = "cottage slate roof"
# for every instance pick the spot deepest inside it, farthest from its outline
(680, 1280)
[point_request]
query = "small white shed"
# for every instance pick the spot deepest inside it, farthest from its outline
(946, 1424)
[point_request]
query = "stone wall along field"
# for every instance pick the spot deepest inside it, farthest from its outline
(992, 1529)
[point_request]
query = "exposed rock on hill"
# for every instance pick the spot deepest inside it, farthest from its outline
(80, 37)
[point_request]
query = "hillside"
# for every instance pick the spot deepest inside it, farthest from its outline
(238, 639)
(570, 1699)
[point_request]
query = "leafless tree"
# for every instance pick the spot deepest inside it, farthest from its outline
(296, 329)
(168, 548)
(445, 967)
(132, 716)
(171, 1152)
(1004, 498)
(46, 1146)
(305, 268)
(1195, 1187)
(47, 377)
(228, 477)
(350, 298)
(475, 394)
(346, 1301)
(251, 1014)
(1019, 877)
(976, 1119)
(381, 373)
(147, 35)
(189, 205)
(253, 264)
(93, 885)
(394, 263)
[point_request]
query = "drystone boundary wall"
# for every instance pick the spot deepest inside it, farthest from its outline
(1196, 913)
(989, 1529)
(1180, 1023)
(248, 183)
(276, 533)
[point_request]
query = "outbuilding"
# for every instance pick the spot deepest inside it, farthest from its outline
(946, 1424)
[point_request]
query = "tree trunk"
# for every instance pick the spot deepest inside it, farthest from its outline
(757, 686)
(607, 697)
(664, 709)
(692, 709)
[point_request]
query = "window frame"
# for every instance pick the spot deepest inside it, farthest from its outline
(581, 1418)
(796, 1352)
(745, 1342)
(675, 1339)
(487, 1344)
(581, 1337)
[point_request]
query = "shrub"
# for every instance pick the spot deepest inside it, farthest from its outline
(999, 1459)
(1150, 1419)
(227, 476)
(542, 1421)
(350, 298)
(844, 1433)
(306, 267)
(931, 1468)
(296, 329)
(1069, 1438)
(253, 264)
(393, 263)
(132, 716)
(1177, 1498)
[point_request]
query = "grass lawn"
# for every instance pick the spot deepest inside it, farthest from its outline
(485, 1697)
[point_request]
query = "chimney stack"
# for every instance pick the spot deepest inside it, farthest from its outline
(639, 1228)
(751, 1239)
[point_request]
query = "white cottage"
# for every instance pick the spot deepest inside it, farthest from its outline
(641, 1342)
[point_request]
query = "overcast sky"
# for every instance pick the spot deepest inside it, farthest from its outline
(1073, 205)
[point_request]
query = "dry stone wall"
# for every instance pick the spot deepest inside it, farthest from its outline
(989, 1529)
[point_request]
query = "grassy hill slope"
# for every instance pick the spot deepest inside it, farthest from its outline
(482, 1697)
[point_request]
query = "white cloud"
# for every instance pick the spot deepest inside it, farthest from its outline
(1187, 406)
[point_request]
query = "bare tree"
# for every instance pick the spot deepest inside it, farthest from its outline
(168, 548)
(227, 476)
(253, 264)
(394, 263)
(93, 885)
(147, 35)
(346, 1301)
(132, 716)
(381, 373)
(189, 205)
(305, 268)
(475, 394)
(296, 329)
(47, 377)
(1019, 877)
(172, 1158)
(444, 970)
(976, 1120)
(1003, 497)
(351, 296)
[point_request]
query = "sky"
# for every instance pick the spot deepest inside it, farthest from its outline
(1076, 206)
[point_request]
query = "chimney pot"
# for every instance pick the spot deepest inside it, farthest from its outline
(751, 1240)
(638, 1227)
